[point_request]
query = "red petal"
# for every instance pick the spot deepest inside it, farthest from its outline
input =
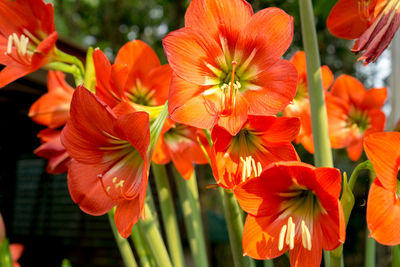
(140, 60)
(383, 149)
(277, 129)
(271, 44)
(86, 190)
(261, 237)
(189, 51)
(345, 21)
(126, 215)
(234, 122)
(349, 89)
(300, 256)
(12, 72)
(16, 251)
(330, 180)
(190, 106)
(383, 214)
(374, 98)
(159, 80)
(212, 17)
(278, 84)
(333, 227)
(355, 149)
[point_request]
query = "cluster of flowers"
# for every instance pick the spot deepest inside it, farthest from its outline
(226, 76)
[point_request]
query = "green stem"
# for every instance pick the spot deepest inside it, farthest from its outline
(168, 214)
(73, 69)
(366, 165)
(122, 243)
(319, 118)
(234, 222)
(90, 73)
(154, 239)
(370, 247)
(396, 256)
(141, 247)
(67, 58)
(268, 263)
(189, 197)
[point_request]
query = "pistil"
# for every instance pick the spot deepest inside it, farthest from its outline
(229, 91)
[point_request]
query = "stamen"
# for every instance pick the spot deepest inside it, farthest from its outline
(232, 81)
(292, 234)
(282, 237)
(259, 168)
(16, 40)
(120, 184)
(287, 241)
(31, 36)
(114, 180)
(10, 43)
(253, 164)
(243, 169)
(303, 234)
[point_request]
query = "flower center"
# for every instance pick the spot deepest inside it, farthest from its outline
(140, 95)
(23, 49)
(358, 118)
(289, 230)
(250, 166)
(229, 92)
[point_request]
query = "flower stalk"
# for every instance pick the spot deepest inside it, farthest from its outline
(168, 214)
(189, 197)
(141, 247)
(122, 243)
(319, 117)
(234, 221)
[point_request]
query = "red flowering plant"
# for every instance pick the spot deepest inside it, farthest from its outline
(227, 97)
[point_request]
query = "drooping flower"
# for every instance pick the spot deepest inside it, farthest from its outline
(261, 141)
(110, 164)
(180, 143)
(353, 114)
(372, 23)
(226, 63)
(292, 206)
(136, 76)
(52, 109)
(53, 150)
(300, 107)
(27, 37)
(383, 206)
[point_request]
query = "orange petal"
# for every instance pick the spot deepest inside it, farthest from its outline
(299, 256)
(374, 98)
(327, 77)
(299, 61)
(330, 180)
(261, 237)
(349, 89)
(278, 87)
(189, 51)
(383, 150)
(126, 215)
(158, 82)
(355, 149)
(139, 58)
(234, 122)
(345, 21)
(211, 16)
(383, 214)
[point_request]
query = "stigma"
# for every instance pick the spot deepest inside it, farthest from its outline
(229, 92)
(289, 231)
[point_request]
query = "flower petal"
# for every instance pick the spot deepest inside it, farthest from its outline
(126, 215)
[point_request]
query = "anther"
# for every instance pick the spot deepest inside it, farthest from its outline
(282, 237)
(305, 236)
(9, 46)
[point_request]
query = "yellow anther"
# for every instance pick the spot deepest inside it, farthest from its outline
(108, 189)
(305, 236)
(282, 237)
(9, 45)
(114, 180)
(120, 184)
(259, 169)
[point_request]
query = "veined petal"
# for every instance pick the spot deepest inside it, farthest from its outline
(140, 60)
(234, 122)
(345, 21)
(210, 16)
(349, 89)
(189, 51)
(301, 256)
(126, 215)
(383, 149)
(383, 214)
(374, 98)
(277, 88)
(158, 81)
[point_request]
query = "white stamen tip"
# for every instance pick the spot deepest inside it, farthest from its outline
(9, 45)
(282, 237)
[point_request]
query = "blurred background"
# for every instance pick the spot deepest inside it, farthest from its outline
(36, 207)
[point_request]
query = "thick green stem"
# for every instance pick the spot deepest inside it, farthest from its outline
(370, 244)
(322, 149)
(72, 69)
(141, 247)
(319, 118)
(67, 58)
(396, 256)
(189, 198)
(154, 239)
(234, 221)
(168, 214)
(122, 243)
(268, 263)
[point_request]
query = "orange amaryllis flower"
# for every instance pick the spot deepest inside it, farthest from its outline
(53, 150)
(383, 207)
(136, 76)
(227, 64)
(354, 113)
(27, 37)
(261, 141)
(110, 165)
(52, 109)
(292, 206)
(300, 107)
(180, 143)
(372, 23)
